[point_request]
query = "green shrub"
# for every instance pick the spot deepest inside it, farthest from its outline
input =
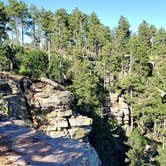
(34, 63)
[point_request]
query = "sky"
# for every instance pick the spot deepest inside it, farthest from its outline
(109, 11)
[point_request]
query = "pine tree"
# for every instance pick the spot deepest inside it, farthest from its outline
(137, 143)
(24, 16)
(84, 85)
(122, 38)
(78, 28)
(34, 26)
(3, 23)
(61, 34)
(46, 20)
(13, 11)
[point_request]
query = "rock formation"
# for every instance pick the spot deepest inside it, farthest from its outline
(118, 109)
(27, 147)
(45, 103)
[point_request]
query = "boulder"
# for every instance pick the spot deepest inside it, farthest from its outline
(119, 110)
(60, 113)
(45, 103)
(62, 123)
(52, 83)
(64, 113)
(80, 121)
(52, 114)
(44, 100)
(57, 134)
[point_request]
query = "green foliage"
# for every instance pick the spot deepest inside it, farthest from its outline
(54, 72)
(137, 143)
(58, 68)
(8, 56)
(34, 63)
(3, 23)
(161, 156)
(85, 84)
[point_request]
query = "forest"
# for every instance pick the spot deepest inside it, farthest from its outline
(92, 61)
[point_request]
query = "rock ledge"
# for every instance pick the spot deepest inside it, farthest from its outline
(27, 147)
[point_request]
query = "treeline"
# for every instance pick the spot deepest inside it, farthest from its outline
(77, 50)
(58, 31)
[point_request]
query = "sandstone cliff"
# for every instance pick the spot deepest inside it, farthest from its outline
(43, 105)
(43, 102)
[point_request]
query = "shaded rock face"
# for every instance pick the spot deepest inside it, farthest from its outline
(5, 88)
(12, 102)
(44, 102)
(23, 146)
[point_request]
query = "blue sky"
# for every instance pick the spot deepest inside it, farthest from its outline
(109, 11)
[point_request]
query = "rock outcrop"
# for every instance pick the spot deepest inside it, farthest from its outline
(118, 109)
(45, 103)
(27, 147)
(50, 105)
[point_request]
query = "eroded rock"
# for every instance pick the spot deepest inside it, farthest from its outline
(45, 103)
(28, 147)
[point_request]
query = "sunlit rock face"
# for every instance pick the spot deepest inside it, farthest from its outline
(120, 109)
(23, 146)
(44, 103)
(50, 105)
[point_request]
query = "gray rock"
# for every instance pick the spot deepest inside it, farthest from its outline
(62, 123)
(57, 134)
(17, 107)
(119, 110)
(46, 103)
(64, 113)
(35, 148)
(80, 121)
(52, 114)
(44, 100)
(53, 83)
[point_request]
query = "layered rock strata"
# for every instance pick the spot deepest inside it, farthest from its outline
(43, 102)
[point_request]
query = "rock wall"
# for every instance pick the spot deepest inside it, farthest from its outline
(23, 146)
(50, 105)
(45, 103)
(118, 109)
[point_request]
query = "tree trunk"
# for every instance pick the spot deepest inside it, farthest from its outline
(130, 89)
(131, 62)
(49, 50)
(11, 65)
(22, 33)
(1, 66)
(154, 128)
(34, 35)
(131, 110)
(16, 30)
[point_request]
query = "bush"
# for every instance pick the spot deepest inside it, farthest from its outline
(34, 63)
